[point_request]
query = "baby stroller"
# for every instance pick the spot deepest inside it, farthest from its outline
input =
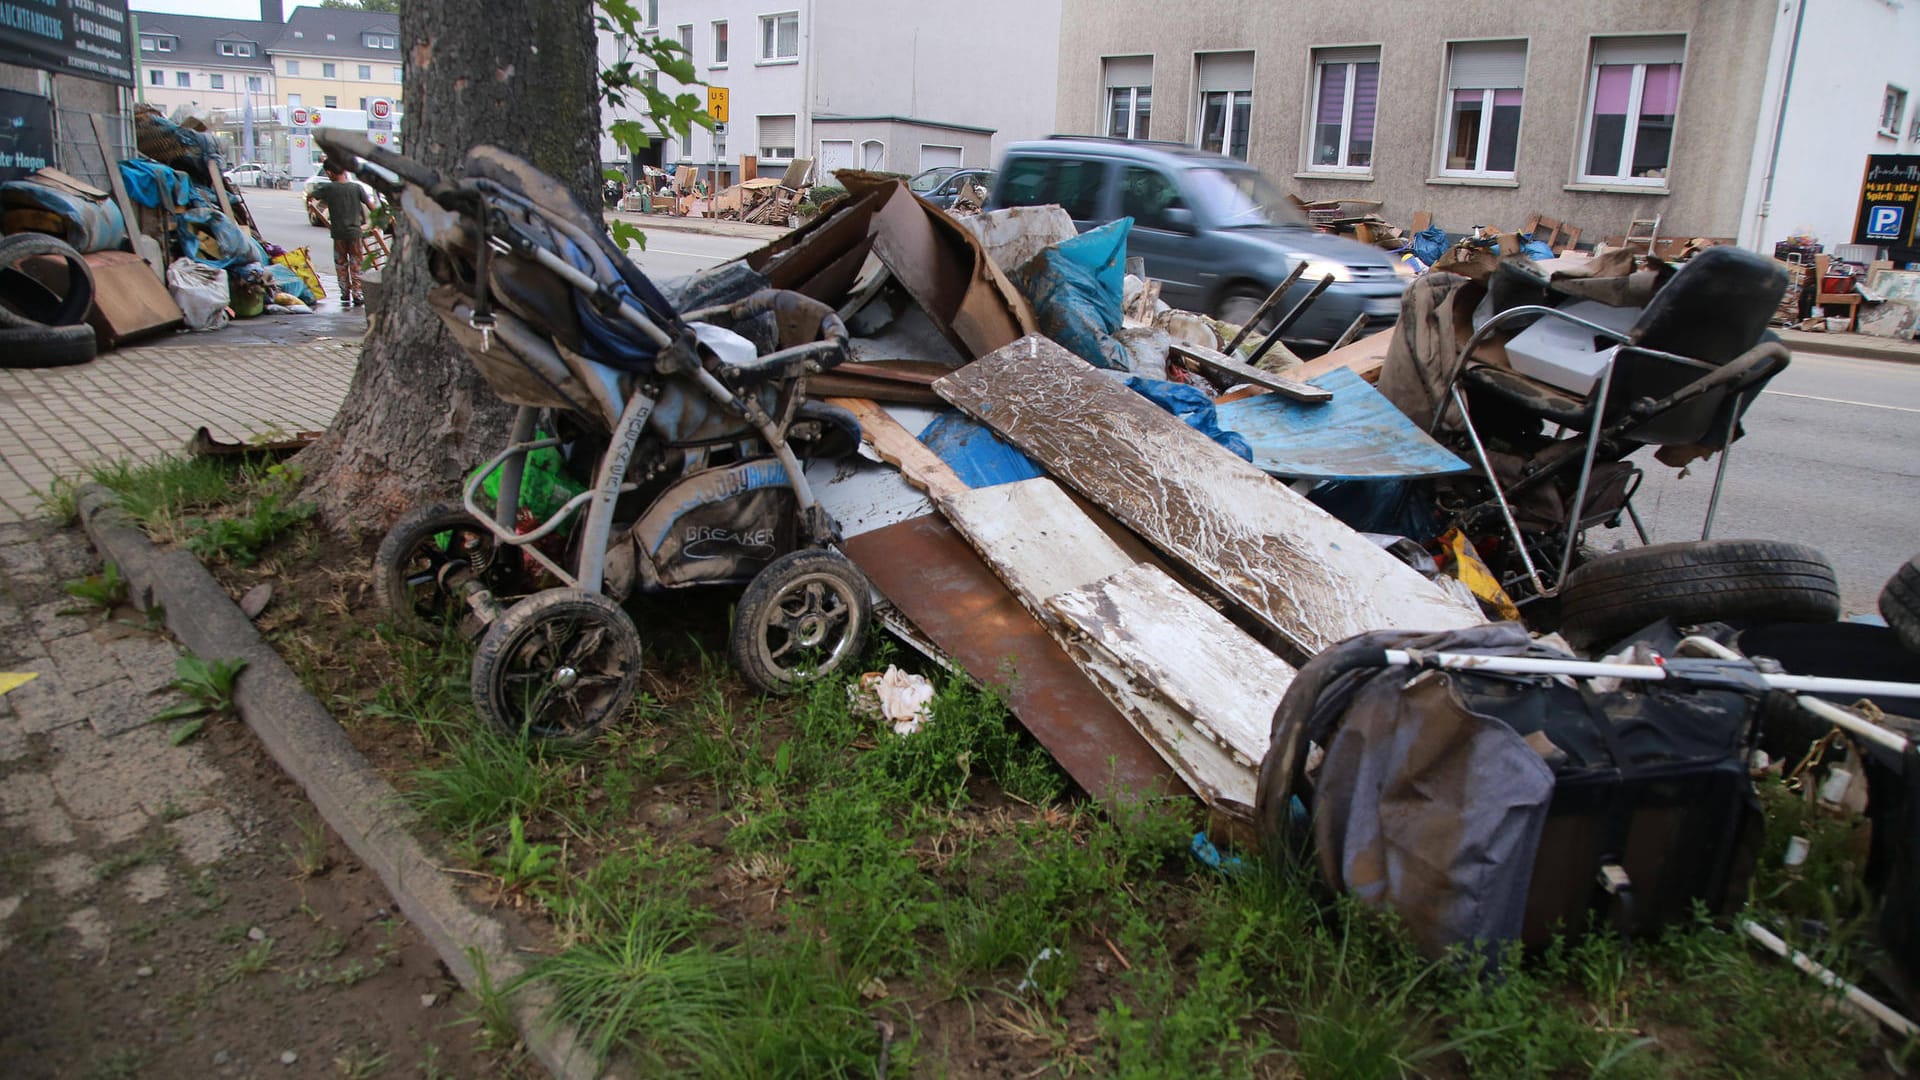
(683, 427)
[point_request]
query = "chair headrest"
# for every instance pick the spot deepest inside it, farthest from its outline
(1716, 306)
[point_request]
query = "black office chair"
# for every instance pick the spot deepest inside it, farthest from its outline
(1685, 373)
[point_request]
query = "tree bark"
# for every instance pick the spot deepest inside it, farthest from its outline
(522, 75)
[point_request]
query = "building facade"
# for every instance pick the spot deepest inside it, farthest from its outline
(1481, 111)
(201, 64)
(853, 83)
(338, 58)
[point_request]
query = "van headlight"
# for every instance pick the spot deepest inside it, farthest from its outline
(1318, 268)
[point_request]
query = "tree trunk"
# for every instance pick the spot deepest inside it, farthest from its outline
(522, 75)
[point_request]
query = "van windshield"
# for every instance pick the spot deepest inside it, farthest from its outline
(1234, 198)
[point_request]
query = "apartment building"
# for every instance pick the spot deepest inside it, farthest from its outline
(204, 64)
(338, 58)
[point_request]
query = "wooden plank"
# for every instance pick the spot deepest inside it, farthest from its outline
(1293, 567)
(898, 447)
(930, 574)
(1210, 670)
(1364, 358)
(1043, 547)
(1222, 364)
(1422, 220)
(127, 302)
(862, 495)
(145, 246)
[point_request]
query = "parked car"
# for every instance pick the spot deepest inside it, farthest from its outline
(317, 211)
(948, 189)
(926, 180)
(253, 174)
(1215, 231)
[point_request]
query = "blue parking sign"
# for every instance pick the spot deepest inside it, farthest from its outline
(1886, 222)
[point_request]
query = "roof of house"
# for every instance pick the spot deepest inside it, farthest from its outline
(341, 32)
(198, 38)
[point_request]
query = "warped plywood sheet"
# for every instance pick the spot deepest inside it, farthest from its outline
(1047, 550)
(1292, 566)
(933, 578)
(1202, 664)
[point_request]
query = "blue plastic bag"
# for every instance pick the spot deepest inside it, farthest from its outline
(1077, 287)
(287, 281)
(1193, 408)
(1429, 244)
(152, 184)
(206, 235)
(1534, 249)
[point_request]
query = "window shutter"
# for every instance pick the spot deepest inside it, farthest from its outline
(1359, 54)
(1129, 70)
(776, 131)
(1487, 65)
(1639, 50)
(1226, 71)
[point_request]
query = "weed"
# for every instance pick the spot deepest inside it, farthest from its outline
(485, 778)
(238, 539)
(154, 492)
(350, 974)
(172, 811)
(430, 1063)
(329, 946)
(105, 590)
(361, 1063)
(152, 850)
(208, 687)
(523, 866)
(118, 1065)
(251, 962)
(492, 1013)
(311, 858)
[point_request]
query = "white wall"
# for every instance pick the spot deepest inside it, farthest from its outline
(985, 63)
(1849, 50)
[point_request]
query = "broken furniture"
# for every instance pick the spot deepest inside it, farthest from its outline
(1560, 236)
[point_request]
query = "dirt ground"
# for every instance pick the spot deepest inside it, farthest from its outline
(141, 945)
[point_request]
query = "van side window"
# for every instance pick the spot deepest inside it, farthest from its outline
(1073, 183)
(1146, 195)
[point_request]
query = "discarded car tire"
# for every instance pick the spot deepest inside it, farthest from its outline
(46, 346)
(557, 666)
(1696, 582)
(425, 558)
(1900, 604)
(803, 616)
(25, 301)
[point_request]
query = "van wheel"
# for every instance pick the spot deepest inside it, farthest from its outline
(1239, 304)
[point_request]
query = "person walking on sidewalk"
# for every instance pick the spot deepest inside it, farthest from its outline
(346, 203)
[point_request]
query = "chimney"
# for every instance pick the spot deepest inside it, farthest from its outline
(272, 12)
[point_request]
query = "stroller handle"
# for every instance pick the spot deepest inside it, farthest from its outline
(360, 151)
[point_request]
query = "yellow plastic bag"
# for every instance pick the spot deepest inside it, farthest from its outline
(300, 261)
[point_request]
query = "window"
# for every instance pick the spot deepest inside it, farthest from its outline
(1892, 107)
(327, 71)
(398, 75)
(1484, 87)
(873, 154)
(1346, 87)
(366, 72)
(1633, 95)
(163, 44)
(235, 48)
(776, 137)
(780, 37)
(332, 102)
(381, 41)
(253, 83)
(653, 13)
(156, 77)
(720, 44)
(146, 44)
(1146, 195)
(1226, 102)
(184, 80)
(293, 67)
(685, 35)
(1129, 84)
(1076, 184)
(293, 100)
(363, 104)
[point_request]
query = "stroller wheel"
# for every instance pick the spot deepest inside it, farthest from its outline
(428, 556)
(803, 616)
(558, 665)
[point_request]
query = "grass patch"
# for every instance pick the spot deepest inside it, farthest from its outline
(157, 492)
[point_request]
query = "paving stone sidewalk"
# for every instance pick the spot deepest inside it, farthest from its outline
(142, 403)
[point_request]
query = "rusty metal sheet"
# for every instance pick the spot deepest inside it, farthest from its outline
(1292, 566)
(929, 572)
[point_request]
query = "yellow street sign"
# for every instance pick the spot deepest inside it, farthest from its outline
(717, 103)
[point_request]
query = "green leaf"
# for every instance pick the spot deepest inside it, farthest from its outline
(614, 175)
(178, 712)
(625, 233)
(186, 731)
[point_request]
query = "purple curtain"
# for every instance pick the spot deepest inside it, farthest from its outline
(1333, 92)
(1661, 97)
(1366, 88)
(1506, 98)
(1615, 86)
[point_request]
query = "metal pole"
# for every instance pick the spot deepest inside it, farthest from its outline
(1286, 322)
(1272, 301)
(1720, 474)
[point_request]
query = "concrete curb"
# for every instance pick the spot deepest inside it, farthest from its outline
(311, 747)
(739, 230)
(1859, 346)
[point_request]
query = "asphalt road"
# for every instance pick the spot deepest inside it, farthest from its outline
(1831, 457)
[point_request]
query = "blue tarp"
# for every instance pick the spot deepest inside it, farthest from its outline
(978, 456)
(288, 281)
(1359, 435)
(86, 224)
(1077, 287)
(152, 184)
(206, 235)
(1193, 408)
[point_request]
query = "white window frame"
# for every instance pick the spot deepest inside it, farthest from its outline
(878, 165)
(332, 101)
(293, 101)
(147, 44)
(163, 44)
(721, 32)
(254, 85)
(1632, 133)
(365, 71)
(773, 19)
(156, 77)
(683, 34)
(1346, 110)
(183, 80)
(226, 48)
(792, 151)
(399, 75)
(1227, 130)
(329, 71)
(1892, 131)
(293, 67)
(1486, 117)
(1133, 106)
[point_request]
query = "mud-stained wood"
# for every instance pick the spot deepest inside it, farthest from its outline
(1215, 674)
(898, 447)
(933, 578)
(1044, 548)
(1363, 357)
(1199, 357)
(1292, 566)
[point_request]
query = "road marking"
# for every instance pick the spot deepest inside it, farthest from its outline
(1841, 401)
(685, 254)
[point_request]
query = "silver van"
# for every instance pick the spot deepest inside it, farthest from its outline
(1213, 229)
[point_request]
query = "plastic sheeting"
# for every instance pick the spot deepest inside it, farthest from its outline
(87, 224)
(1076, 288)
(206, 235)
(152, 184)
(1194, 409)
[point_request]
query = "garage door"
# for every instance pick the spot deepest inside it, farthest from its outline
(835, 154)
(931, 156)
